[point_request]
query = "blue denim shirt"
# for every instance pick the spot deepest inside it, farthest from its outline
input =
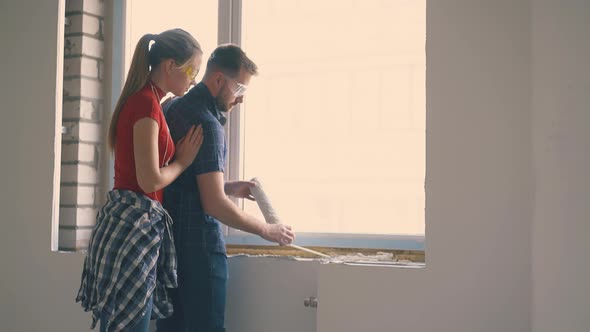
(192, 226)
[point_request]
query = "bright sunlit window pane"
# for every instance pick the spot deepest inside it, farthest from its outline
(199, 18)
(334, 125)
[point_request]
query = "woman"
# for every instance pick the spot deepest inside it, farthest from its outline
(131, 258)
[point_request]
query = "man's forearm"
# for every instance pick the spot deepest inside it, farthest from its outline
(229, 214)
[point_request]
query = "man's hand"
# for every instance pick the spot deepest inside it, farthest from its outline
(239, 189)
(278, 233)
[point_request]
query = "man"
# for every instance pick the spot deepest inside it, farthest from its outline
(197, 200)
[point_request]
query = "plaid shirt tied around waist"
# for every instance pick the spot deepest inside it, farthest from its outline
(130, 256)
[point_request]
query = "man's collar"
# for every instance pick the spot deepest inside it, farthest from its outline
(201, 93)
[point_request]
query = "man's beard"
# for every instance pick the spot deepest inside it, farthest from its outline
(221, 106)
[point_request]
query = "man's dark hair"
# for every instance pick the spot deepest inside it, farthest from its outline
(229, 59)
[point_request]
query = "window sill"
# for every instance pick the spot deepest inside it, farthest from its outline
(353, 256)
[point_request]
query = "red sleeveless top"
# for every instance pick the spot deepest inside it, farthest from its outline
(143, 104)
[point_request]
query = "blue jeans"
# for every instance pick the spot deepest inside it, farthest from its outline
(199, 301)
(144, 323)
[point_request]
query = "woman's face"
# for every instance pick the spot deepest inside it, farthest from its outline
(182, 77)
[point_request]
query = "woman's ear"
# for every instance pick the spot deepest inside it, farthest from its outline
(169, 66)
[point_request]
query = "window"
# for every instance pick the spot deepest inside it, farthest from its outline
(199, 18)
(334, 124)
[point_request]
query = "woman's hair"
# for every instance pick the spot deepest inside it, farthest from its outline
(175, 44)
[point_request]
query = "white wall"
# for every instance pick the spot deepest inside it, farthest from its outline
(37, 287)
(561, 132)
(480, 186)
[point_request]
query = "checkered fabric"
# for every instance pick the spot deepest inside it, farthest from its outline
(131, 256)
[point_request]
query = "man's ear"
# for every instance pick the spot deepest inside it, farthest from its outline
(218, 78)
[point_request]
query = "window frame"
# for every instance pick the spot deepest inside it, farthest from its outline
(230, 24)
(59, 129)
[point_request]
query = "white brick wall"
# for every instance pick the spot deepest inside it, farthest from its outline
(82, 87)
(83, 23)
(78, 216)
(93, 7)
(84, 45)
(77, 174)
(78, 130)
(79, 152)
(84, 122)
(83, 109)
(77, 195)
(86, 67)
(74, 237)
